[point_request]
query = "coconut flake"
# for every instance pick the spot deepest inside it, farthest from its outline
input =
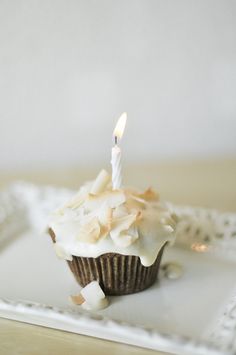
(138, 199)
(76, 202)
(120, 211)
(94, 296)
(89, 232)
(149, 195)
(61, 252)
(122, 224)
(126, 238)
(105, 219)
(91, 297)
(113, 199)
(77, 299)
(123, 232)
(101, 304)
(105, 216)
(101, 182)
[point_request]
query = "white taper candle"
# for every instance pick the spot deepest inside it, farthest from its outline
(116, 167)
(116, 153)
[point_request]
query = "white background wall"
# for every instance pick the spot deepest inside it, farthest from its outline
(69, 68)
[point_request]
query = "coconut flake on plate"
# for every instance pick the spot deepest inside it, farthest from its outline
(91, 297)
(77, 299)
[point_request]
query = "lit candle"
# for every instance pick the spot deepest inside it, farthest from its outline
(116, 152)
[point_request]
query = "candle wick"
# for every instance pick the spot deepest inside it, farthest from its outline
(116, 140)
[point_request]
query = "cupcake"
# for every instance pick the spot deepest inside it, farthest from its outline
(116, 237)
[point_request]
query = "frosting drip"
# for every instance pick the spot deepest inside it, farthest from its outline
(99, 220)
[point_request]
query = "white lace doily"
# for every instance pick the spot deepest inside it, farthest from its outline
(202, 230)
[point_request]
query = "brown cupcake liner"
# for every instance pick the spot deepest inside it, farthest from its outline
(117, 274)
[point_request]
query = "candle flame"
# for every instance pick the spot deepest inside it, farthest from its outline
(120, 126)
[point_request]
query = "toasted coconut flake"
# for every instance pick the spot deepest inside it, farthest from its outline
(105, 219)
(126, 238)
(135, 204)
(77, 299)
(101, 304)
(91, 297)
(100, 182)
(104, 231)
(52, 234)
(120, 211)
(89, 232)
(138, 199)
(77, 200)
(112, 198)
(122, 224)
(61, 253)
(105, 216)
(149, 195)
(94, 296)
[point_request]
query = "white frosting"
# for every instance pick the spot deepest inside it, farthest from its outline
(124, 221)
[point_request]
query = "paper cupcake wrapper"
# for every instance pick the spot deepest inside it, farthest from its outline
(117, 274)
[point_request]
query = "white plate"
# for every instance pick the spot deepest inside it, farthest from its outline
(192, 315)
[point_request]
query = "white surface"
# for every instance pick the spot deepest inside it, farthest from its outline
(170, 306)
(69, 69)
(191, 315)
(180, 316)
(30, 271)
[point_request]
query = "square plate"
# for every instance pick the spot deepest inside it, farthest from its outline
(195, 314)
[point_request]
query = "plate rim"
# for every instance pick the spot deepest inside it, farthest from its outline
(120, 331)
